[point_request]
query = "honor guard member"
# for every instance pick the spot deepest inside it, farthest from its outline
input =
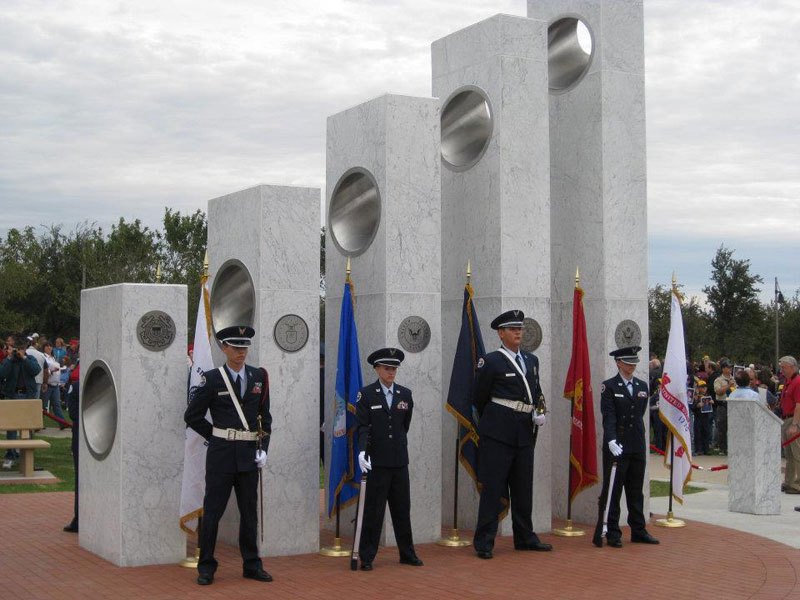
(506, 393)
(383, 413)
(624, 403)
(236, 394)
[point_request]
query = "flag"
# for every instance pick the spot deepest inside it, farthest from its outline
(673, 405)
(461, 394)
(578, 389)
(345, 474)
(194, 454)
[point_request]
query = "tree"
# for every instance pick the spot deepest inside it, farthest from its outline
(737, 317)
(695, 322)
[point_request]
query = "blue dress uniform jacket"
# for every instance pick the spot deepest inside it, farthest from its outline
(623, 415)
(499, 379)
(225, 456)
(388, 445)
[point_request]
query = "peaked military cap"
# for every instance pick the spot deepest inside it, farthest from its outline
(238, 336)
(510, 318)
(628, 355)
(391, 357)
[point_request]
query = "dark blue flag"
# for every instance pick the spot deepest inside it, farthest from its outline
(345, 474)
(460, 396)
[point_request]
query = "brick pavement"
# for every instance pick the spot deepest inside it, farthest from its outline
(38, 561)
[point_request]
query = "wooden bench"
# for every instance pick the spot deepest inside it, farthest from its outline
(24, 416)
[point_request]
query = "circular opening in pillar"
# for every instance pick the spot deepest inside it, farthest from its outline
(99, 409)
(466, 128)
(233, 296)
(570, 47)
(355, 211)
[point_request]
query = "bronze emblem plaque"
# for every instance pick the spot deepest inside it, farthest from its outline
(290, 333)
(628, 334)
(414, 334)
(156, 330)
(531, 334)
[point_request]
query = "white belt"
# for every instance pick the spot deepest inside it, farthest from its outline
(234, 435)
(516, 405)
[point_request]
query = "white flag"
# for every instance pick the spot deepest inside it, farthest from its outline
(194, 461)
(673, 405)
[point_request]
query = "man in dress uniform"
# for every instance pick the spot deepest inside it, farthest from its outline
(623, 403)
(507, 391)
(383, 413)
(236, 394)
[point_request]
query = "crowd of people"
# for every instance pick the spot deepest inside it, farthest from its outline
(712, 383)
(32, 366)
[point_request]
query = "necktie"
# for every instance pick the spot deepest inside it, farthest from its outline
(518, 358)
(630, 388)
(239, 384)
(389, 398)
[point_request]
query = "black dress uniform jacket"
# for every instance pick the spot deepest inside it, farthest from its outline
(498, 378)
(225, 456)
(388, 445)
(623, 414)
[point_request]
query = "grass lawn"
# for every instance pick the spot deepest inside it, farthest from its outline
(58, 460)
(661, 488)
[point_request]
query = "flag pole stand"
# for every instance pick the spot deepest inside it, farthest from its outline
(454, 539)
(671, 521)
(337, 550)
(190, 562)
(569, 530)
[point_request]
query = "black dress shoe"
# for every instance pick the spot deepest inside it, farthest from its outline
(258, 575)
(536, 546)
(366, 566)
(71, 528)
(414, 561)
(485, 554)
(598, 542)
(797, 508)
(644, 538)
(205, 579)
(614, 543)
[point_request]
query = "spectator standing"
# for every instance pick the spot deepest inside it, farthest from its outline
(791, 423)
(743, 390)
(59, 350)
(74, 350)
(723, 386)
(33, 351)
(18, 373)
(51, 395)
(702, 407)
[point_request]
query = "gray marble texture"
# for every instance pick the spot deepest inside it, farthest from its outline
(598, 221)
(754, 457)
(396, 139)
(129, 500)
(274, 232)
(496, 214)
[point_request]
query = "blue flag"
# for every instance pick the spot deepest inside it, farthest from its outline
(461, 395)
(345, 474)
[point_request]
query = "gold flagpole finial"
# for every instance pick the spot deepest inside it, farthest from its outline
(469, 271)
(577, 276)
(347, 268)
(158, 272)
(205, 265)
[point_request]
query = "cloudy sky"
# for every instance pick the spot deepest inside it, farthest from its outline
(112, 109)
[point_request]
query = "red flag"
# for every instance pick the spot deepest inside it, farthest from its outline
(578, 388)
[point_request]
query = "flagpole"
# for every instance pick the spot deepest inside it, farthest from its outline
(777, 312)
(570, 530)
(454, 539)
(671, 521)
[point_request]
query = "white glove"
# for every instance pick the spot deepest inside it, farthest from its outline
(539, 419)
(364, 462)
(616, 449)
(261, 458)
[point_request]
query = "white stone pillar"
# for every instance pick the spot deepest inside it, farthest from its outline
(754, 458)
(133, 395)
(263, 253)
(492, 79)
(384, 212)
(598, 199)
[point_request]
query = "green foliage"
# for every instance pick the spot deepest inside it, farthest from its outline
(44, 273)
